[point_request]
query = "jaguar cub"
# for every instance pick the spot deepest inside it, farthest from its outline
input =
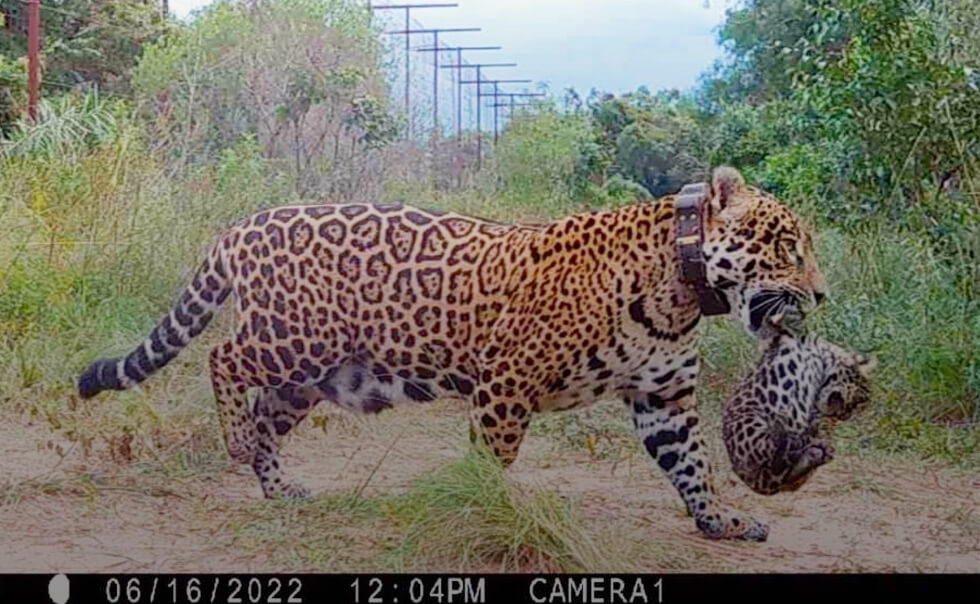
(776, 426)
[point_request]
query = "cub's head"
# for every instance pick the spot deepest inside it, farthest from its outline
(846, 388)
(758, 252)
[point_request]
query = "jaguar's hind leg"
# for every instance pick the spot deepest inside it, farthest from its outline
(277, 412)
(501, 422)
(230, 391)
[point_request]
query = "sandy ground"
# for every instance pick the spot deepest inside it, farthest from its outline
(855, 515)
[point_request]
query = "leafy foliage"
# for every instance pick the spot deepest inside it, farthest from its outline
(93, 42)
(539, 156)
(883, 90)
(311, 94)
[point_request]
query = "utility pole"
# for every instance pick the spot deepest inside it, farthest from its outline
(495, 94)
(408, 34)
(459, 66)
(435, 65)
(512, 104)
(459, 77)
(479, 121)
(33, 60)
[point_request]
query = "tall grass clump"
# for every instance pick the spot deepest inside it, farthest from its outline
(469, 515)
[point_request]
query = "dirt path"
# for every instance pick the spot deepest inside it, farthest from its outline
(73, 513)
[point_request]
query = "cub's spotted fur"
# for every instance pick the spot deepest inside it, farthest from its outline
(777, 423)
(367, 306)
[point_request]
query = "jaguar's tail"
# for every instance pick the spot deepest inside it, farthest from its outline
(192, 313)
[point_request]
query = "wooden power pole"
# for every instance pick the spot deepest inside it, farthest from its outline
(33, 60)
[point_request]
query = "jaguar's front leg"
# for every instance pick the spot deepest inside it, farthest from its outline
(668, 424)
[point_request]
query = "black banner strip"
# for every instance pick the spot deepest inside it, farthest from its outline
(482, 589)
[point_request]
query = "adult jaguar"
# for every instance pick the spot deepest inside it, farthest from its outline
(366, 306)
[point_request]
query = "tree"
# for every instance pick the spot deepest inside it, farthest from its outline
(652, 140)
(301, 76)
(91, 41)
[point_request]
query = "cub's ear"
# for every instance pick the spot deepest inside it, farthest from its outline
(726, 184)
(865, 363)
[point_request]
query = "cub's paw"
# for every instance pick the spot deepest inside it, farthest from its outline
(818, 453)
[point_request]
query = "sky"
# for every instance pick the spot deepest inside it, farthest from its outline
(612, 45)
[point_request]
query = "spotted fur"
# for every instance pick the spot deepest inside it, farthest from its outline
(777, 424)
(368, 306)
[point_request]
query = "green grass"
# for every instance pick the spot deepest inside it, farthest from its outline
(461, 516)
(469, 514)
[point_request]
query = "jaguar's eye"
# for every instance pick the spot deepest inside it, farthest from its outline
(788, 251)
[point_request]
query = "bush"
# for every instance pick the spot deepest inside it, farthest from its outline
(97, 240)
(538, 158)
(301, 77)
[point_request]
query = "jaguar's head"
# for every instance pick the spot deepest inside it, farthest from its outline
(758, 252)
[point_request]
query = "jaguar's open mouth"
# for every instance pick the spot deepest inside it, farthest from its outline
(770, 302)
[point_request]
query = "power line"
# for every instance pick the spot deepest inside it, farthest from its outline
(479, 122)
(495, 94)
(408, 34)
(435, 65)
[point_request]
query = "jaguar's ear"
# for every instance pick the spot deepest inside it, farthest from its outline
(865, 363)
(726, 184)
